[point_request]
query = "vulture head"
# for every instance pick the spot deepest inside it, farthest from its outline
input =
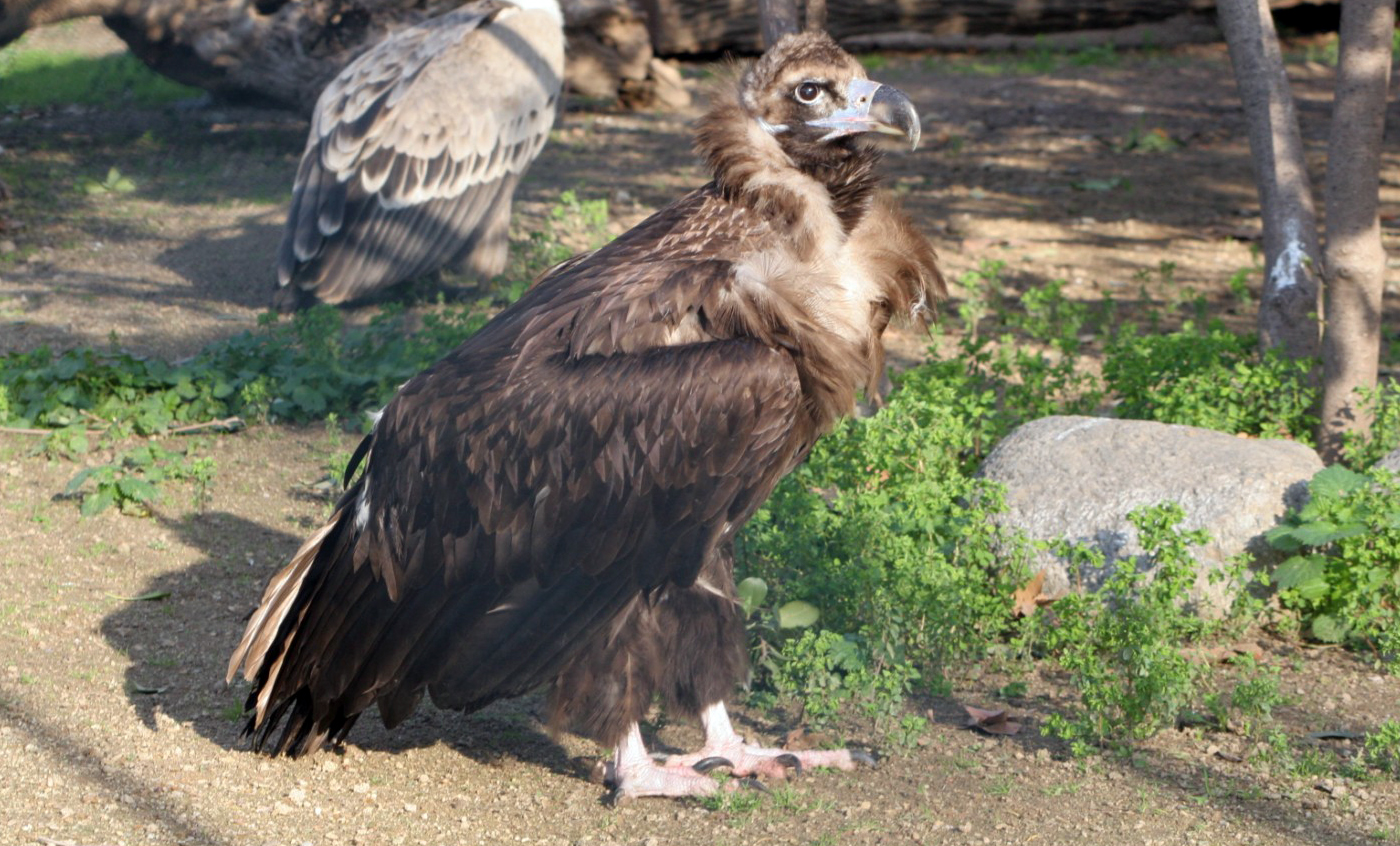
(816, 101)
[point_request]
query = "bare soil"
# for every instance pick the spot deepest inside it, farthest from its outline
(116, 726)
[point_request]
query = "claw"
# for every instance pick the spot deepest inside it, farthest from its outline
(754, 784)
(861, 756)
(616, 798)
(704, 765)
(790, 761)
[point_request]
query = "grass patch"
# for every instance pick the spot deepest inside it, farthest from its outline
(31, 78)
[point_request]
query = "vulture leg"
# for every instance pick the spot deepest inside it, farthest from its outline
(725, 748)
(634, 773)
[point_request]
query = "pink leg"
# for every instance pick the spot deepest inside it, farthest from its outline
(634, 773)
(724, 747)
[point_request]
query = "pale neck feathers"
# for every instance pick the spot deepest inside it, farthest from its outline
(840, 267)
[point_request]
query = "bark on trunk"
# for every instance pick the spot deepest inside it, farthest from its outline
(1354, 258)
(285, 51)
(776, 19)
(1289, 305)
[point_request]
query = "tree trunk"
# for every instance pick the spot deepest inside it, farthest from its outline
(1354, 259)
(284, 52)
(1288, 307)
(776, 19)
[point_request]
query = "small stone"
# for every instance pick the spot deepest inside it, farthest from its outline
(410, 807)
(281, 808)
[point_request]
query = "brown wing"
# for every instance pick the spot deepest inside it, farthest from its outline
(415, 150)
(504, 516)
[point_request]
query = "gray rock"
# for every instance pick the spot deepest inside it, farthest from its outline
(1391, 461)
(1078, 477)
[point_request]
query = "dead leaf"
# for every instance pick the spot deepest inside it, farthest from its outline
(800, 739)
(1030, 596)
(992, 722)
(1222, 654)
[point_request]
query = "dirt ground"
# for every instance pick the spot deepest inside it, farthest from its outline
(116, 726)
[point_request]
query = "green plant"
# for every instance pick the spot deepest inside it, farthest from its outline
(1383, 748)
(1344, 574)
(886, 531)
(130, 482)
(1254, 694)
(982, 294)
(1213, 379)
(300, 369)
(1121, 643)
(1140, 139)
(35, 77)
(115, 183)
(1383, 402)
(1239, 286)
(573, 225)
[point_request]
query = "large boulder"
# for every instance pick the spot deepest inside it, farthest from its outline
(1391, 461)
(1078, 477)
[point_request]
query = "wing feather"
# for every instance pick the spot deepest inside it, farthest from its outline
(422, 130)
(537, 557)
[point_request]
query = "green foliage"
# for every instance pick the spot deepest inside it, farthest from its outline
(1143, 140)
(1239, 286)
(130, 482)
(306, 368)
(300, 369)
(573, 225)
(825, 673)
(1383, 748)
(1214, 379)
(1021, 375)
(115, 183)
(1383, 402)
(1041, 59)
(1122, 643)
(126, 394)
(885, 532)
(43, 78)
(1344, 572)
(1249, 704)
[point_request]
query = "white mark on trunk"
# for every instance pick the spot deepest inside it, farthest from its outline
(1289, 266)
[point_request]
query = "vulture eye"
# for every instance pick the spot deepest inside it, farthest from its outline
(808, 92)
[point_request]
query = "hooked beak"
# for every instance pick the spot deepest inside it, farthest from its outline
(872, 107)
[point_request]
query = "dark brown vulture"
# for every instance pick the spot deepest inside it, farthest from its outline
(415, 150)
(554, 503)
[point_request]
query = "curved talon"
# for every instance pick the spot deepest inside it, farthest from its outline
(754, 784)
(616, 798)
(862, 756)
(790, 761)
(704, 765)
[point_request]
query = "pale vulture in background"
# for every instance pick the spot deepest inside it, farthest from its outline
(415, 150)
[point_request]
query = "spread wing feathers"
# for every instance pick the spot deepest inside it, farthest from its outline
(415, 150)
(497, 535)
